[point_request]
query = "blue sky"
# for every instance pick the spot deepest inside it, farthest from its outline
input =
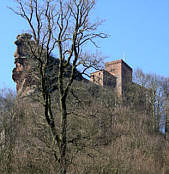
(138, 29)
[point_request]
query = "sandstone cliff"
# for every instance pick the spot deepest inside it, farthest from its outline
(26, 72)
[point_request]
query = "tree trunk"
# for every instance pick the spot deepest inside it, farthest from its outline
(63, 135)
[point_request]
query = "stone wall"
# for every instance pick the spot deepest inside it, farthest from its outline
(97, 77)
(117, 74)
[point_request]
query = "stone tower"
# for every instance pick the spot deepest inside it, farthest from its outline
(117, 74)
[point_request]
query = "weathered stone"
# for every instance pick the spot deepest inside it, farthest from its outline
(26, 72)
(22, 47)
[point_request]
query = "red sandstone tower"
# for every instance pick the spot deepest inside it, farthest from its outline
(117, 74)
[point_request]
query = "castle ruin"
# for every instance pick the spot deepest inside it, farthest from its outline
(117, 75)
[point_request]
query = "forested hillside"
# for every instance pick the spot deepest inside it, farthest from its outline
(61, 123)
(104, 134)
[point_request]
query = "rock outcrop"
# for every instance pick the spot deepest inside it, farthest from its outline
(25, 74)
(20, 75)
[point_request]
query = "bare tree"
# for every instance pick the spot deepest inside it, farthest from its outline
(62, 27)
(158, 96)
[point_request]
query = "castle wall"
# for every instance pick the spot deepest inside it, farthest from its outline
(126, 76)
(115, 69)
(109, 80)
(122, 72)
(97, 78)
